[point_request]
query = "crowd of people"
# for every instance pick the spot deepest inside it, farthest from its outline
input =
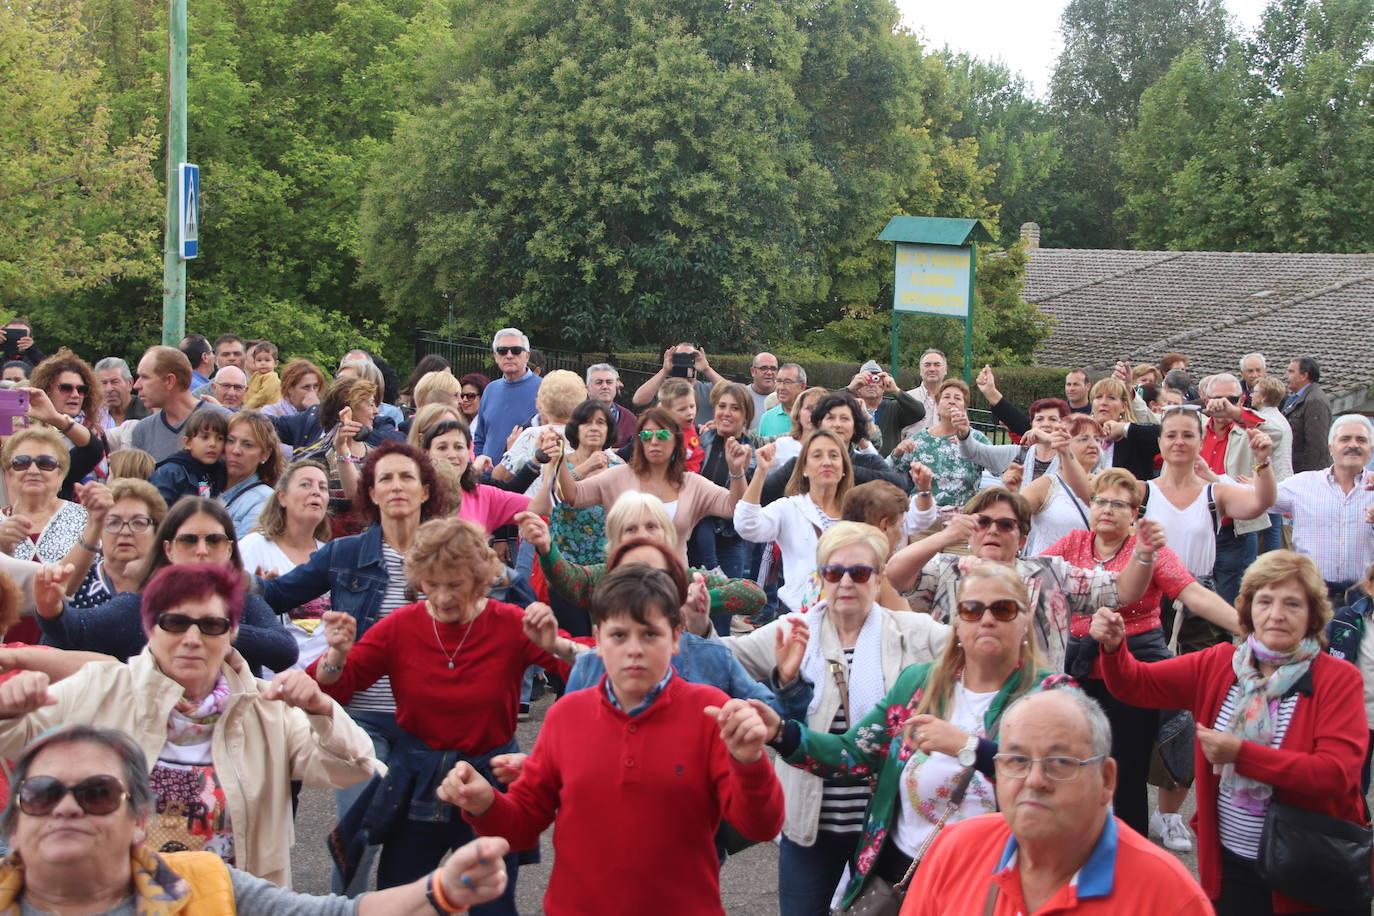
(940, 666)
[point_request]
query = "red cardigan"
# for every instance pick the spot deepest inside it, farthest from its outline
(1317, 767)
(635, 803)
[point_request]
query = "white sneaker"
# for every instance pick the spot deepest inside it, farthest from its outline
(1172, 831)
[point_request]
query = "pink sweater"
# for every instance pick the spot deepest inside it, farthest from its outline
(491, 507)
(697, 499)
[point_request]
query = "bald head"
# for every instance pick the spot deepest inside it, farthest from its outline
(231, 386)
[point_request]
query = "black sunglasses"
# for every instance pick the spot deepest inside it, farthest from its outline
(1002, 609)
(180, 623)
(510, 351)
(44, 462)
(858, 574)
(39, 795)
(189, 541)
(68, 388)
(1003, 524)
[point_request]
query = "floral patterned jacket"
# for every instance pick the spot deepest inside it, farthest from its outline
(875, 746)
(575, 582)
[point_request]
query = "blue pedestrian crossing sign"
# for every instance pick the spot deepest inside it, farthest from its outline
(188, 210)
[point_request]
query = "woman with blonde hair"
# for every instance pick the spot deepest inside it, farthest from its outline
(426, 418)
(128, 535)
(455, 662)
(853, 652)
(252, 463)
(1128, 445)
(439, 387)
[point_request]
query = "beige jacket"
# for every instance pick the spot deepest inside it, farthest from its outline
(908, 638)
(258, 746)
(1240, 461)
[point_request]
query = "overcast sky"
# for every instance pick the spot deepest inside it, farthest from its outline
(1022, 33)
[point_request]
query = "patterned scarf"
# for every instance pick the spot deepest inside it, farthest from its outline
(1257, 703)
(192, 722)
(157, 889)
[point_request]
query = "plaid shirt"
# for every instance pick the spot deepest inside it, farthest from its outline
(1329, 524)
(1057, 589)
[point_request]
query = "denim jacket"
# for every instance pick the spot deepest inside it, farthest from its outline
(244, 501)
(351, 569)
(705, 661)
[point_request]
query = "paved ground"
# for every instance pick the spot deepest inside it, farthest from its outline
(748, 881)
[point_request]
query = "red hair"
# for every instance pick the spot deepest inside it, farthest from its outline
(175, 585)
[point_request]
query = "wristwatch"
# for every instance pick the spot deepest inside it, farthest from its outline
(969, 752)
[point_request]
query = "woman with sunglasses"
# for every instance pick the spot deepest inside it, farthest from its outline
(1109, 545)
(222, 747)
(196, 530)
(63, 393)
(470, 391)
(657, 467)
(126, 540)
(851, 650)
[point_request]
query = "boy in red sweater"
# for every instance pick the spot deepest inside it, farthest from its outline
(636, 774)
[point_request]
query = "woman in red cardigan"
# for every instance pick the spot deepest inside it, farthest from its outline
(1277, 718)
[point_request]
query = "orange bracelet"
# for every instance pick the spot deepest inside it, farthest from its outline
(436, 896)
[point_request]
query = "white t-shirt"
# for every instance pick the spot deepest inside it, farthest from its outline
(260, 553)
(928, 781)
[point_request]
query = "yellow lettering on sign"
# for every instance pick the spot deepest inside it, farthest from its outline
(908, 298)
(903, 258)
(932, 279)
(951, 260)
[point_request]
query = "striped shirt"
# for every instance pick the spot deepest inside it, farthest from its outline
(843, 806)
(1328, 523)
(1241, 830)
(378, 698)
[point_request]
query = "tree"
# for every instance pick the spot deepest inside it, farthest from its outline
(70, 193)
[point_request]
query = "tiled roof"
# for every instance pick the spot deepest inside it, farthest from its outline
(1211, 305)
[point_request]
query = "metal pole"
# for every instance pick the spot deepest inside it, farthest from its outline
(173, 267)
(896, 324)
(968, 322)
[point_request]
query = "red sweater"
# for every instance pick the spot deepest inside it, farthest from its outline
(1317, 767)
(635, 803)
(471, 708)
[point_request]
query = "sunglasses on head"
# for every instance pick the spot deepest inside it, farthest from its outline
(1002, 609)
(212, 541)
(180, 623)
(510, 351)
(1007, 525)
(68, 388)
(44, 462)
(648, 435)
(39, 795)
(857, 574)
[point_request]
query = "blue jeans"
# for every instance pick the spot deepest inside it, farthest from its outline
(701, 548)
(1271, 538)
(381, 727)
(808, 875)
(1235, 553)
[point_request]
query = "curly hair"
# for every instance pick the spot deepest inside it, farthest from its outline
(451, 549)
(435, 505)
(46, 373)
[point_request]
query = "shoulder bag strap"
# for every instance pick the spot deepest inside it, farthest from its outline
(956, 798)
(1074, 499)
(1212, 510)
(837, 672)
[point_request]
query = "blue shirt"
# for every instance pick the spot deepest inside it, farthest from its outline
(648, 697)
(505, 405)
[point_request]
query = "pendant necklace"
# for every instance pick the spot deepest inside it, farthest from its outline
(434, 623)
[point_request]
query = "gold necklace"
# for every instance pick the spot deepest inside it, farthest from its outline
(433, 622)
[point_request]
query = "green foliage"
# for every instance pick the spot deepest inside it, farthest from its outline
(71, 189)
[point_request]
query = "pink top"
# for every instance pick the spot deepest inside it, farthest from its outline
(697, 499)
(1170, 577)
(491, 507)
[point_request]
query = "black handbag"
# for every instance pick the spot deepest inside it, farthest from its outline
(1315, 858)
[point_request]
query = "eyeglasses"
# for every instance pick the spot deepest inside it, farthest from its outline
(189, 541)
(1006, 525)
(39, 795)
(857, 574)
(180, 623)
(1058, 769)
(1174, 407)
(468, 396)
(231, 386)
(1003, 609)
(44, 462)
(1116, 505)
(138, 524)
(509, 351)
(648, 435)
(69, 388)
(765, 368)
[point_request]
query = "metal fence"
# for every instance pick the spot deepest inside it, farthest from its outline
(472, 354)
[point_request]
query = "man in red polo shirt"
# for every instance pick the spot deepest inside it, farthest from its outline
(1055, 847)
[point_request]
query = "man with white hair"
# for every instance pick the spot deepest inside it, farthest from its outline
(1055, 846)
(1226, 449)
(603, 384)
(1333, 508)
(1252, 368)
(508, 401)
(230, 386)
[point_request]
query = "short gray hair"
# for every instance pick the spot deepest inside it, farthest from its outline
(600, 367)
(1264, 364)
(1099, 726)
(114, 362)
(1210, 382)
(510, 332)
(801, 373)
(134, 777)
(1349, 418)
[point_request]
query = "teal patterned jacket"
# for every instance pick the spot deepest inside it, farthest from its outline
(875, 745)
